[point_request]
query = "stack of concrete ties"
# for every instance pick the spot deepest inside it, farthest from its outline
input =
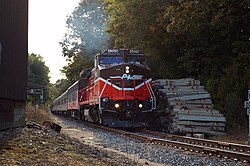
(191, 108)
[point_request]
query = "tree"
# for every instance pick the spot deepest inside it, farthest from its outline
(75, 66)
(233, 107)
(38, 79)
(210, 30)
(61, 85)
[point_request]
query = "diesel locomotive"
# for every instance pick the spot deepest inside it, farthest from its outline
(117, 92)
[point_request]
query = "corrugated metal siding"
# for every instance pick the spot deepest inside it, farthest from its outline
(14, 42)
(13, 62)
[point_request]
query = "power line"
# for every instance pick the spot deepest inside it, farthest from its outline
(43, 86)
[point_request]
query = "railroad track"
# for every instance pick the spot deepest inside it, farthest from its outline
(198, 141)
(203, 146)
(211, 147)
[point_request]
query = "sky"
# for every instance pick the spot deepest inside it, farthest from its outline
(47, 26)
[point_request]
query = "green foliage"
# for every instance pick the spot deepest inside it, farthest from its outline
(210, 31)
(75, 66)
(38, 79)
(61, 86)
(53, 92)
(236, 79)
(233, 107)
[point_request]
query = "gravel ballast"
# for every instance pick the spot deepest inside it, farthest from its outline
(139, 152)
(37, 146)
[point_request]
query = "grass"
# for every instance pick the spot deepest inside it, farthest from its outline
(38, 115)
(235, 137)
(30, 146)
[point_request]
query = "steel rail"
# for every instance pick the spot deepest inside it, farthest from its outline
(245, 157)
(209, 143)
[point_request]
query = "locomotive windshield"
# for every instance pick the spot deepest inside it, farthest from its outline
(115, 56)
(108, 60)
(135, 60)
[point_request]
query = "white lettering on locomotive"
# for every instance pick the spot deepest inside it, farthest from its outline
(113, 51)
(134, 51)
(131, 77)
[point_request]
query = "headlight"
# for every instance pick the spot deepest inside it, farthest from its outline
(140, 105)
(117, 105)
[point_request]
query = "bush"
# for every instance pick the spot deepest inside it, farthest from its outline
(235, 114)
(38, 115)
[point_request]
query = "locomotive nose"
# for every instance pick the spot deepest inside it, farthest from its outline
(129, 114)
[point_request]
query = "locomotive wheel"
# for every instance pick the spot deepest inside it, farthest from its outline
(94, 115)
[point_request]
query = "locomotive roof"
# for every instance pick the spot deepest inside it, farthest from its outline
(73, 85)
(64, 93)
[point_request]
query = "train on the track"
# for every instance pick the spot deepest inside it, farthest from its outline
(117, 92)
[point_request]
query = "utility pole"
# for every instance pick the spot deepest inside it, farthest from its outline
(247, 106)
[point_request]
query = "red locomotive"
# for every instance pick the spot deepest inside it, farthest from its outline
(117, 92)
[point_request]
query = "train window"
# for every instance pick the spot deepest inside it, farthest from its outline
(117, 83)
(83, 83)
(108, 60)
(135, 60)
(74, 96)
(69, 98)
(129, 83)
(138, 82)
